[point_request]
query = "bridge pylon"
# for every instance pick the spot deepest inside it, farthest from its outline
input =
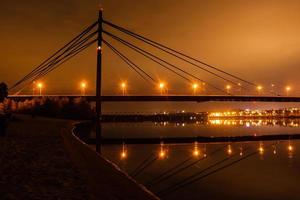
(99, 83)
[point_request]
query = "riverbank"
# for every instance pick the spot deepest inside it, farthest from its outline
(39, 159)
(34, 163)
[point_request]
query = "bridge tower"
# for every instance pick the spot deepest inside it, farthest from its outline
(98, 84)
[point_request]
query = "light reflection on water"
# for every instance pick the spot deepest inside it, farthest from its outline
(271, 173)
(216, 127)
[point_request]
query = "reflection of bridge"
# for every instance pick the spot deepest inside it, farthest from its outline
(177, 98)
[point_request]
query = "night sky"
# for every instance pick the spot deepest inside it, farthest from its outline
(257, 40)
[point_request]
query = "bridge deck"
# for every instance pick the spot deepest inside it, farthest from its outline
(175, 98)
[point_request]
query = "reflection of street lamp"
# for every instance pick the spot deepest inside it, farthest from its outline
(40, 86)
(83, 88)
(287, 89)
(229, 150)
(195, 87)
(124, 152)
(123, 87)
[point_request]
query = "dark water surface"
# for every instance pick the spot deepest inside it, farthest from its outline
(253, 170)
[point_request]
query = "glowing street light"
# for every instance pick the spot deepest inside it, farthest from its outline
(272, 86)
(40, 87)
(83, 86)
(162, 87)
(259, 89)
(33, 87)
(228, 87)
(287, 89)
(240, 88)
(195, 87)
(123, 88)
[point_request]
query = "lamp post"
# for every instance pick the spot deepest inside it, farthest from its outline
(83, 86)
(40, 87)
(98, 83)
(195, 87)
(228, 87)
(161, 87)
(123, 88)
(259, 89)
(287, 89)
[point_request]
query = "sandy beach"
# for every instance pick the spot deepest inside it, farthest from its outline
(34, 163)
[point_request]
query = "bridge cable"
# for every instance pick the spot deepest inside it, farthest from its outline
(61, 61)
(183, 59)
(57, 59)
(136, 68)
(66, 58)
(57, 52)
(161, 64)
(161, 46)
(134, 47)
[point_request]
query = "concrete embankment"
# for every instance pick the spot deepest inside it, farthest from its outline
(106, 180)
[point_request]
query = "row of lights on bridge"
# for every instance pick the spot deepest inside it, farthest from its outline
(162, 86)
(197, 152)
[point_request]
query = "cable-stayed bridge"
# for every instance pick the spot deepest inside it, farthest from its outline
(174, 98)
(103, 32)
(106, 33)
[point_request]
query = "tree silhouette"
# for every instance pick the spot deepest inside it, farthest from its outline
(3, 91)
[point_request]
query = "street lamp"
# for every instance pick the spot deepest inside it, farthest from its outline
(240, 88)
(287, 89)
(272, 86)
(195, 87)
(161, 87)
(228, 87)
(259, 89)
(83, 86)
(40, 86)
(33, 87)
(123, 87)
